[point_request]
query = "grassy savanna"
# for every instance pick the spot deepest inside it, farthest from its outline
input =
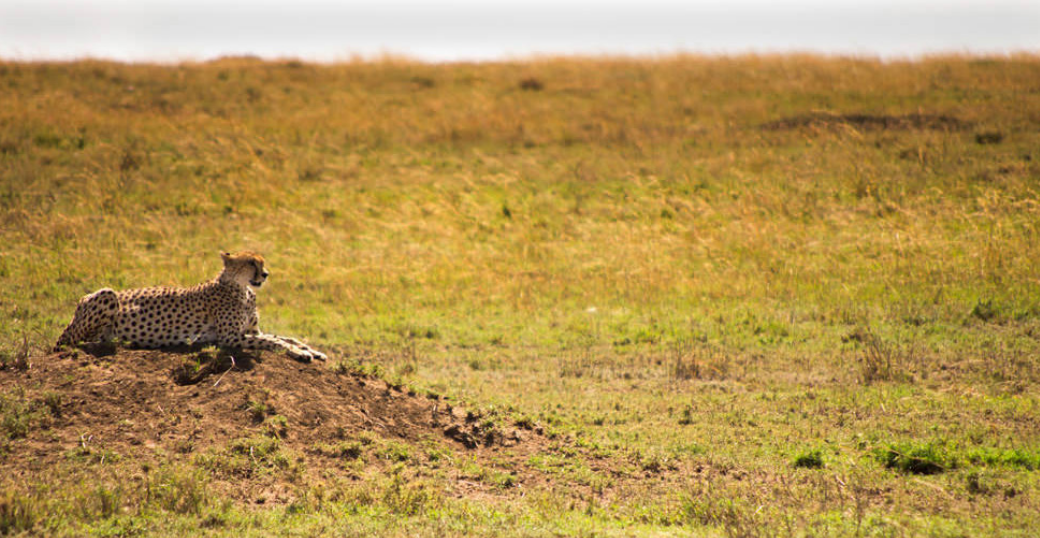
(781, 295)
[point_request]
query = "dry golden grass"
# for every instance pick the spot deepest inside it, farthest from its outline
(731, 262)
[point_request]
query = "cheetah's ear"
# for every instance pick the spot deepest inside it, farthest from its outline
(225, 256)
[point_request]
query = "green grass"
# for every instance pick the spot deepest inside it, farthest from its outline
(812, 459)
(627, 253)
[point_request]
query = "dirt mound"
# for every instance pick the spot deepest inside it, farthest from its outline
(939, 122)
(145, 405)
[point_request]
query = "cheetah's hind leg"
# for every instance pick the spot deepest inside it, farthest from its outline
(94, 318)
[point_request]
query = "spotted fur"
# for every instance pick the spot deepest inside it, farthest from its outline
(221, 311)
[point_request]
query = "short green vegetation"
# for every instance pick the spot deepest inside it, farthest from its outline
(743, 296)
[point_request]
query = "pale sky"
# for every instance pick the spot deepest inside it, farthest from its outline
(463, 30)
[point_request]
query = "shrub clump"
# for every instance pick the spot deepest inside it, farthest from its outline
(927, 459)
(810, 460)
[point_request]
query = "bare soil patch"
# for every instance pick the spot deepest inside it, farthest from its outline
(146, 406)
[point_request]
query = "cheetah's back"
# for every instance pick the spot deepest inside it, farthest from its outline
(162, 316)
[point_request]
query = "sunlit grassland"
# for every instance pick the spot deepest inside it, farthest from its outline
(625, 250)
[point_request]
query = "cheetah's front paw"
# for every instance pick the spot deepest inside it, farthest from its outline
(306, 354)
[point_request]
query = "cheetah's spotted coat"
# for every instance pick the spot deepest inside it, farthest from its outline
(221, 311)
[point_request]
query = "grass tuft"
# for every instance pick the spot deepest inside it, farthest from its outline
(19, 513)
(881, 360)
(812, 459)
(917, 459)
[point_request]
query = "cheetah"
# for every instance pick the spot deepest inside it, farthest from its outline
(221, 311)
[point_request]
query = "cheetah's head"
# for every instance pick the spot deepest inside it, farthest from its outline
(244, 268)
